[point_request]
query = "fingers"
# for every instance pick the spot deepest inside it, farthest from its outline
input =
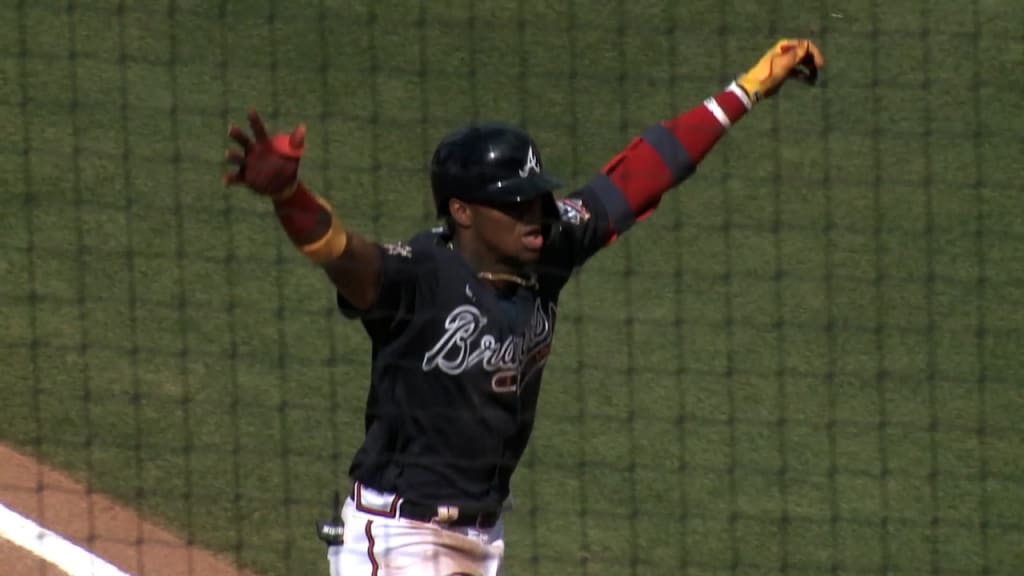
(787, 46)
(233, 157)
(259, 131)
(237, 135)
(799, 49)
(298, 138)
(819, 59)
(805, 48)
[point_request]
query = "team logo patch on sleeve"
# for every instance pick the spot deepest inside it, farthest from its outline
(398, 249)
(573, 211)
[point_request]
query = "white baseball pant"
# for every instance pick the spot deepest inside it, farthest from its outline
(377, 542)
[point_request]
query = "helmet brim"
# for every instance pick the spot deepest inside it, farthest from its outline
(516, 190)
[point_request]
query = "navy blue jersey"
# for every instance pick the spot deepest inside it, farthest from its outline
(457, 366)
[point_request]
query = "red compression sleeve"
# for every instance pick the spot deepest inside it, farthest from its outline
(668, 153)
(303, 216)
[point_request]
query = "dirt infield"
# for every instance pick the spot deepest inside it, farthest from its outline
(19, 562)
(117, 534)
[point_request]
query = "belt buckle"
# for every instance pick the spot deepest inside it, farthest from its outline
(446, 514)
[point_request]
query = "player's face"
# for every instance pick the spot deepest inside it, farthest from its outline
(512, 232)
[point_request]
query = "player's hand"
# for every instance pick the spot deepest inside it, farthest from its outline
(789, 58)
(267, 165)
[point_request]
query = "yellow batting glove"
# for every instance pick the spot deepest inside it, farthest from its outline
(787, 59)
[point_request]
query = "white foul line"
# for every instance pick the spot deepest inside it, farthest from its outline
(52, 547)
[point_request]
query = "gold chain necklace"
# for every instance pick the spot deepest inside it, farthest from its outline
(530, 282)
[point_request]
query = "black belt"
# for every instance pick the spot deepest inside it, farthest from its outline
(485, 519)
(454, 516)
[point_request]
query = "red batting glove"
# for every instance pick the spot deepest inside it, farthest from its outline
(268, 166)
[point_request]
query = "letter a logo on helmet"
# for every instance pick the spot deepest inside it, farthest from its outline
(531, 163)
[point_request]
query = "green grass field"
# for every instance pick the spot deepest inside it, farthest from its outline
(807, 362)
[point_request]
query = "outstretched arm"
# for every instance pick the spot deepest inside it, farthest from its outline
(269, 167)
(632, 184)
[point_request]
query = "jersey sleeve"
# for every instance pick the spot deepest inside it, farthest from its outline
(630, 186)
(404, 268)
(584, 228)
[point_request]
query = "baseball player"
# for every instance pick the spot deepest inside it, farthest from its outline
(461, 317)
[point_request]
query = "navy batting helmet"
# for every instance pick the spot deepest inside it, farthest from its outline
(490, 163)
